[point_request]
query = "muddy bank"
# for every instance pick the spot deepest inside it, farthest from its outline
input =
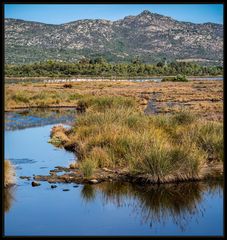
(212, 171)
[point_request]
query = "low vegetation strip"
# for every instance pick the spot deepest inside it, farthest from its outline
(113, 133)
(100, 67)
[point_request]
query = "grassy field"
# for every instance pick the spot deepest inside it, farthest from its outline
(204, 98)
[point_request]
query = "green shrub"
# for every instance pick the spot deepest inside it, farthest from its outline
(67, 85)
(178, 78)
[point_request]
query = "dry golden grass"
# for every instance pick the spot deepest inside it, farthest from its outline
(165, 147)
(200, 97)
(9, 174)
(58, 135)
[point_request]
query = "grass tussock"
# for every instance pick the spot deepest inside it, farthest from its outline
(113, 133)
(87, 167)
(102, 103)
(9, 174)
(58, 136)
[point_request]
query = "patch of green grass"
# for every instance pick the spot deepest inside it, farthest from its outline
(210, 139)
(75, 96)
(103, 103)
(20, 97)
(87, 167)
(183, 117)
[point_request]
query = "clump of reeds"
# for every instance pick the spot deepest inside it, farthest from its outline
(58, 136)
(9, 174)
(117, 135)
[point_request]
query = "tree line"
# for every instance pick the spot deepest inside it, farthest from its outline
(99, 67)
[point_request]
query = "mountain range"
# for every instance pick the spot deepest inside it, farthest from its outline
(147, 36)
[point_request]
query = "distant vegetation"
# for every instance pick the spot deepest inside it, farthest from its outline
(101, 68)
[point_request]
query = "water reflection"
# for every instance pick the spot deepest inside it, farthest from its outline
(156, 203)
(37, 117)
(8, 198)
(88, 193)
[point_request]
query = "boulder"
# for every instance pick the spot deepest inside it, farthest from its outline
(35, 184)
(93, 181)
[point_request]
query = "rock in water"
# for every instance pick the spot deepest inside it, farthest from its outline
(25, 177)
(93, 181)
(35, 184)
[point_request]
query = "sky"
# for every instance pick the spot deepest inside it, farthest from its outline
(63, 13)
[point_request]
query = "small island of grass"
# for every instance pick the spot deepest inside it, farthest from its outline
(113, 135)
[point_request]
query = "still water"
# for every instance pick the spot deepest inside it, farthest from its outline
(139, 79)
(104, 209)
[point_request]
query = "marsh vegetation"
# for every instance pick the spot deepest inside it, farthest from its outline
(204, 98)
(113, 133)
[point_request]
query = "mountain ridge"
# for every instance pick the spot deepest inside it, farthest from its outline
(149, 36)
(142, 13)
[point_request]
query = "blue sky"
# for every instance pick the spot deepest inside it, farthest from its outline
(63, 13)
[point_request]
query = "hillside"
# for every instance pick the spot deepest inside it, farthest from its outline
(149, 36)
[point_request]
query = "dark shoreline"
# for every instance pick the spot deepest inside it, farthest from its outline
(212, 172)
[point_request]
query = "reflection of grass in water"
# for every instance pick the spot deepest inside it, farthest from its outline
(8, 198)
(48, 112)
(88, 193)
(175, 201)
(158, 203)
(37, 117)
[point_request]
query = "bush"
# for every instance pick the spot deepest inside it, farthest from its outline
(178, 78)
(67, 85)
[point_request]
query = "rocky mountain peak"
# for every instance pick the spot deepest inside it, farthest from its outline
(145, 13)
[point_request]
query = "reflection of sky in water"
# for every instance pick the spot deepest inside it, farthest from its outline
(103, 209)
(32, 144)
(46, 211)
